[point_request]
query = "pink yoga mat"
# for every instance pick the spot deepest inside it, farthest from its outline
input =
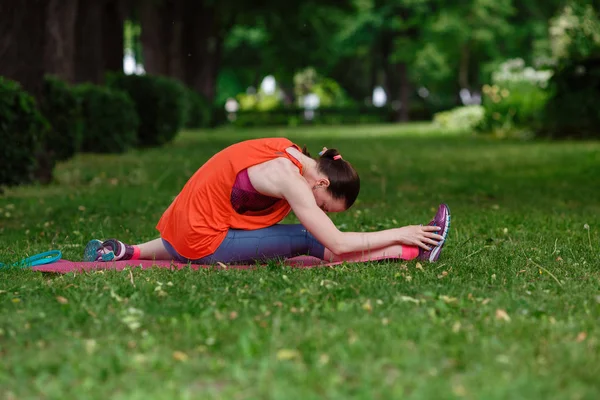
(65, 266)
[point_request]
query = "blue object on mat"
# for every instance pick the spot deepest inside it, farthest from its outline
(38, 259)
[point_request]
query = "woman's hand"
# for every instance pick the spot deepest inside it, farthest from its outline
(418, 235)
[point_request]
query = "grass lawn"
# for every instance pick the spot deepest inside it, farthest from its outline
(511, 311)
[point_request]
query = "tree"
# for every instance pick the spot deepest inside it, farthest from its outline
(186, 39)
(99, 39)
(22, 41)
(59, 48)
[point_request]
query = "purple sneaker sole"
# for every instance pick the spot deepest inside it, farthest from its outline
(441, 219)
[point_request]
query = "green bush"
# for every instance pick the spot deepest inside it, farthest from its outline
(160, 103)
(22, 129)
(462, 118)
(110, 121)
(61, 107)
(198, 110)
(294, 116)
(572, 110)
(514, 103)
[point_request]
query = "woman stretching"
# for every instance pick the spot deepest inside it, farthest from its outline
(229, 210)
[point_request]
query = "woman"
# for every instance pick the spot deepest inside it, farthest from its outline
(229, 210)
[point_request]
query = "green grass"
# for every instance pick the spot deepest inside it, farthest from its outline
(518, 246)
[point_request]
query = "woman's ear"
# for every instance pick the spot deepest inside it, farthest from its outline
(322, 182)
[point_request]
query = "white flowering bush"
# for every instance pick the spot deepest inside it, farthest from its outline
(462, 118)
(515, 100)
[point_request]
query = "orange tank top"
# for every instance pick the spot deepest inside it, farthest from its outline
(197, 221)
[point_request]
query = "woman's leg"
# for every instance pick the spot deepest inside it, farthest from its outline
(397, 251)
(275, 242)
(154, 250)
(115, 250)
(286, 241)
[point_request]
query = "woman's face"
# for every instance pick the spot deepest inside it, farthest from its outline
(326, 202)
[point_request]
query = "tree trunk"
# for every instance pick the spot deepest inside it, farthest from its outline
(89, 57)
(404, 92)
(162, 38)
(182, 39)
(22, 38)
(59, 49)
(113, 19)
(463, 71)
(154, 48)
(202, 48)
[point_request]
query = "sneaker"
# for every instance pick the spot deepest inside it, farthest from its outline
(96, 251)
(441, 219)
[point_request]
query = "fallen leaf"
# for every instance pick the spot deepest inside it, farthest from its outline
(456, 327)
(352, 337)
(287, 354)
(324, 359)
(502, 315)
(409, 299)
(367, 306)
(443, 274)
(90, 346)
(385, 321)
(62, 300)
(448, 299)
(233, 315)
(581, 337)
(419, 266)
(180, 356)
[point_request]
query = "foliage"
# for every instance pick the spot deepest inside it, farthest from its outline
(329, 92)
(575, 32)
(489, 321)
(464, 118)
(22, 130)
(109, 118)
(198, 110)
(62, 109)
(294, 116)
(258, 101)
(160, 103)
(515, 101)
(572, 110)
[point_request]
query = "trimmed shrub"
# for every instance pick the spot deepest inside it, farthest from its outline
(294, 116)
(160, 103)
(22, 129)
(514, 103)
(61, 107)
(573, 110)
(110, 121)
(198, 110)
(462, 118)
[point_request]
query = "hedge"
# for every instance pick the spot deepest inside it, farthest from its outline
(62, 108)
(110, 122)
(160, 103)
(22, 131)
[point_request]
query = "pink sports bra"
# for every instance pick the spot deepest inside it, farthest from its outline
(245, 198)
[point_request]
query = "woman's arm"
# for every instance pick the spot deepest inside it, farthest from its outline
(295, 191)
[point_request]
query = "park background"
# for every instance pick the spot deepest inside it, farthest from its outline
(107, 107)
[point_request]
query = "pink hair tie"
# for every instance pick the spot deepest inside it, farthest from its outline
(338, 157)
